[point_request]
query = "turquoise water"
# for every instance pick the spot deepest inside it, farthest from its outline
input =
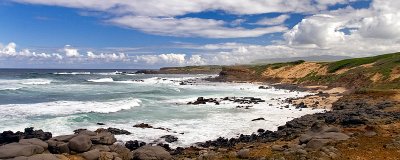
(63, 100)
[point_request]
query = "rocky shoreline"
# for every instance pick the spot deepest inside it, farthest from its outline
(308, 137)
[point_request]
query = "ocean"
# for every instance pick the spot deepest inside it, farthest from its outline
(61, 101)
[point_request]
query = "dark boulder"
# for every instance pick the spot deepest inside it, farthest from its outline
(132, 145)
(170, 138)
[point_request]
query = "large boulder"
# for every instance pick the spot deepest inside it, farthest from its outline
(34, 141)
(122, 151)
(16, 149)
(151, 153)
(58, 147)
(106, 138)
(64, 138)
(80, 143)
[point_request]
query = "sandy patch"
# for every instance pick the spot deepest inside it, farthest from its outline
(343, 70)
(369, 65)
(376, 77)
(292, 72)
(324, 100)
(395, 74)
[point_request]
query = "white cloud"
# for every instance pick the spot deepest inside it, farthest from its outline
(170, 58)
(71, 52)
(107, 57)
(9, 50)
(273, 21)
(181, 7)
(311, 31)
(150, 15)
(188, 27)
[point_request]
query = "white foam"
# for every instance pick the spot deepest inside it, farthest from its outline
(72, 73)
(101, 80)
(36, 81)
(58, 108)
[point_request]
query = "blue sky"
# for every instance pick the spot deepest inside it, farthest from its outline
(156, 33)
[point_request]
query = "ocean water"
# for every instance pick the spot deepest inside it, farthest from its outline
(61, 101)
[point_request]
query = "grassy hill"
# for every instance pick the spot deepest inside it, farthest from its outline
(377, 72)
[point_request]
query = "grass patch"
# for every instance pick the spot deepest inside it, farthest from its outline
(349, 63)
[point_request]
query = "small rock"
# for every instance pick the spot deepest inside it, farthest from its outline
(258, 119)
(317, 143)
(143, 125)
(277, 148)
(170, 138)
(243, 153)
(91, 155)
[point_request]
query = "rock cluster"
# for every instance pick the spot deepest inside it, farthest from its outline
(217, 101)
(84, 144)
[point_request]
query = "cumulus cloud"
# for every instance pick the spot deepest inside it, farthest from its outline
(71, 52)
(312, 31)
(10, 51)
(107, 57)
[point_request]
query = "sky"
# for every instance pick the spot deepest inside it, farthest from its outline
(158, 33)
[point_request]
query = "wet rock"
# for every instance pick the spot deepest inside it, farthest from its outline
(16, 149)
(151, 153)
(101, 124)
(143, 125)
(301, 105)
(258, 119)
(170, 138)
(117, 131)
(9, 136)
(132, 145)
(80, 143)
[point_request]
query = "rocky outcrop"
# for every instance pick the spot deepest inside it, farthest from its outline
(9, 136)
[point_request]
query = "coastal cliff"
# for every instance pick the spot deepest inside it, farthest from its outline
(378, 72)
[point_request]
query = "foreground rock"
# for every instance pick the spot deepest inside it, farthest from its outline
(151, 153)
(17, 149)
